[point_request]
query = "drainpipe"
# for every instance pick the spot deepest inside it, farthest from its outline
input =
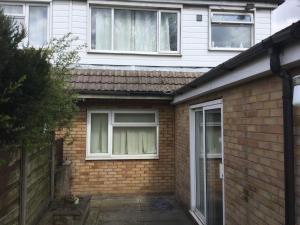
(288, 124)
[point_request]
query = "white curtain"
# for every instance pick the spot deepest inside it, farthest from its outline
(123, 32)
(135, 30)
(37, 30)
(145, 35)
(101, 29)
(134, 140)
(168, 32)
(164, 34)
(99, 133)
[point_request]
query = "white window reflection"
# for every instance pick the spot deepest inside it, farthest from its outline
(34, 18)
(37, 27)
(231, 31)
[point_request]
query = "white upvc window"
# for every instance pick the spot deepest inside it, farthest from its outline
(134, 31)
(33, 17)
(231, 30)
(122, 134)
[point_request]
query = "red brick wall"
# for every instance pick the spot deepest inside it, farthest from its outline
(122, 176)
(253, 152)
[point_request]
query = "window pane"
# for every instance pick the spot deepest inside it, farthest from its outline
(168, 32)
(135, 117)
(213, 139)
(231, 18)
(12, 9)
(19, 22)
(134, 140)
(231, 36)
(99, 133)
(101, 29)
(37, 30)
(213, 145)
(200, 164)
(135, 30)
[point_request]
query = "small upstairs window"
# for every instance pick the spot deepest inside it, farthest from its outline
(33, 17)
(231, 31)
(124, 30)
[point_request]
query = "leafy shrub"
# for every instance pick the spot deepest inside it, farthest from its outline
(35, 99)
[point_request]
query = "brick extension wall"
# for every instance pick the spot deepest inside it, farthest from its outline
(253, 152)
(123, 176)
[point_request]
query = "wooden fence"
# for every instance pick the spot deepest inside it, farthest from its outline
(27, 184)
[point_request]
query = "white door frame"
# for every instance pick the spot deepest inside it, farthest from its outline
(194, 108)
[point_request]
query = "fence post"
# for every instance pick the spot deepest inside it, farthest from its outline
(23, 195)
(53, 149)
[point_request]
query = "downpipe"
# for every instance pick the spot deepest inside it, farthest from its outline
(288, 126)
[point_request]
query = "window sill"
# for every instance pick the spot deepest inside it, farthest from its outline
(120, 157)
(177, 54)
(228, 49)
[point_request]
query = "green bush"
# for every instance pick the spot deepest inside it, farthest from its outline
(35, 99)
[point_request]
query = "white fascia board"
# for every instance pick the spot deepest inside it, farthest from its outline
(258, 67)
(291, 55)
(31, 1)
(136, 4)
(180, 3)
(191, 2)
(81, 96)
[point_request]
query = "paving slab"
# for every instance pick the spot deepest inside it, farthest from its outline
(136, 210)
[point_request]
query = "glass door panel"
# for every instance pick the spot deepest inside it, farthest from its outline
(200, 163)
(208, 183)
(213, 151)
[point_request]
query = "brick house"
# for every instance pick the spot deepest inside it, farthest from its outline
(220, 137)
(182, 113)
(150, 168)
(232, 123)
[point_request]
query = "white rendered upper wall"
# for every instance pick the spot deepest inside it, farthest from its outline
(194, 26)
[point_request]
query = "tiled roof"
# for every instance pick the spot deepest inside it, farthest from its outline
(129, 82)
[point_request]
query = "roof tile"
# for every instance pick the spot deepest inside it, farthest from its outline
(100, 81)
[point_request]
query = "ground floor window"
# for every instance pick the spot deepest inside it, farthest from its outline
(206, 129)
(122, 134)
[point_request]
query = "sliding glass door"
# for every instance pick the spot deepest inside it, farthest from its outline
(207, 164)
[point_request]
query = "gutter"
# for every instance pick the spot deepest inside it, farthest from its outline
(95, 96)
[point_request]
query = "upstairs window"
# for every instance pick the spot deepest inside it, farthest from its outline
(134, 30)
(33, 17)
(231, 31)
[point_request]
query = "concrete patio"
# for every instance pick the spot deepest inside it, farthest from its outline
(136, 210)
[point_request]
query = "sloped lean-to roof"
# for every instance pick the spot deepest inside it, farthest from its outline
(129, 82)
(287, 36)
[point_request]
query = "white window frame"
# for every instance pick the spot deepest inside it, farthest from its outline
(25, 16)
(111, 124)
(112, 51)
(210, 22)
(216, 104)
